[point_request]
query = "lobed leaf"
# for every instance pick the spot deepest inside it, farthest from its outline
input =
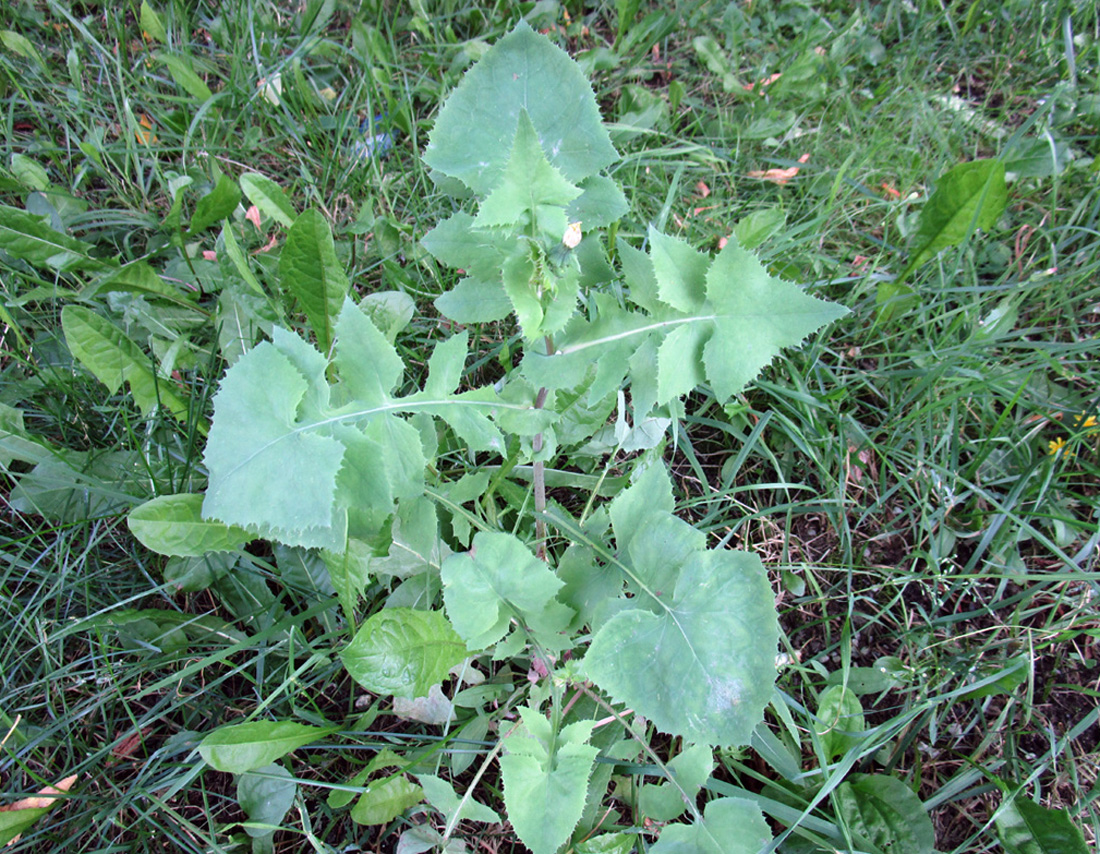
(546, 779)
(307, 463)
(729, 826)
(721, 321)
(523, 71)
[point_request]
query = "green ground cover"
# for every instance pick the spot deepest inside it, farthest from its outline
(180, 182)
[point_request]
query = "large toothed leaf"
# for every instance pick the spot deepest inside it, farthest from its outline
(269, 471)
(497, 581)
(729, 826)
(296, 459)
(720, 321)
(473, 134)
(703, 666)
(531, 191)
(695, 652)
(546, 779)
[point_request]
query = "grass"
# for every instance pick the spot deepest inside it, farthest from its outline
(896, 476)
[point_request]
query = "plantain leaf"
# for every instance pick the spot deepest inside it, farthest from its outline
(173, 525)
(403, 652)
(839, 720)
(1025, 827)
(885, 813)
(266, 796)
(245, 747)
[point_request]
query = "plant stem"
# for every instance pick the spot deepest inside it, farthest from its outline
(539, 480)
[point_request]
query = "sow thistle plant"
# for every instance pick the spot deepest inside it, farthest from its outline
(621, 603)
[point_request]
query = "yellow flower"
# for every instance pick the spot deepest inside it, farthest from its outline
(1083, 422)
(1056, 446)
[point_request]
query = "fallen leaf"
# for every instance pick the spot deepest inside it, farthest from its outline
(209, 255)
(890, 191)
(762, 83)
(46, 797)
(779, 176)
(253, 216)
(702, 189)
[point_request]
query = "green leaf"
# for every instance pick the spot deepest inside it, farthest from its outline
(721, 321)
(269, 197)
(29, 172)
(237, 257)
(839, 720)
(531, 193)
(523, 71)
(179, 67)
(137, 277)
(497, 581)
(390, 311)
(1025, 827)
(600, 203)
(441, 795)
(349, 571)
(680, 655)
(690, 770)
(403, 652)
(972, 195)
(385, 801)
(885, 813)
(216, 205)
(173, 525)
(245, 747)
(297, 460)
(546, 779)
(266, 796)
(729, 826)
(151, 23)
(608, 843)
(25, 236)
(105, 350)
(310, 270)
(21, 46)
(15, 822)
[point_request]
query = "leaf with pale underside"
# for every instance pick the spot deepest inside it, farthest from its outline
(497, 581)
(720, 321)
(307, 463)
(695, 652)
(524, 71)
(546, 779)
